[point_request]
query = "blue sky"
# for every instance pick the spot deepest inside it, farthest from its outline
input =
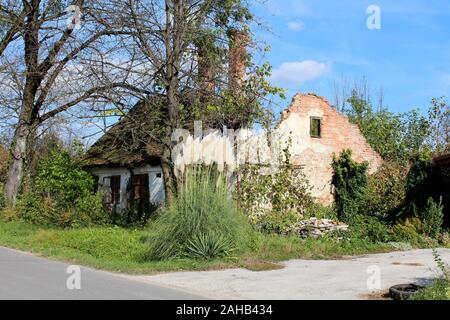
(317, 42)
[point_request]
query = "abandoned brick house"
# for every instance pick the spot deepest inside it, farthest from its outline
(128, 166)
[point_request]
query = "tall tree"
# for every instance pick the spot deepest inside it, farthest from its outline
(439, 117)
(195, 54)
(54, 55)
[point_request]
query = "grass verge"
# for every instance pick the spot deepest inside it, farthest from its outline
(438, 290)
(124, 250)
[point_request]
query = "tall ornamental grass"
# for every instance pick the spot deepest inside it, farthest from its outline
(201, 222)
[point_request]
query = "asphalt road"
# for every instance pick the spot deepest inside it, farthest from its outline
(24, 276)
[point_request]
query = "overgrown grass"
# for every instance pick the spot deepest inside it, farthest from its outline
(438, 290)
(123, 250)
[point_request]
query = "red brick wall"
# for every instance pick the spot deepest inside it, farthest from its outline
(315, 154)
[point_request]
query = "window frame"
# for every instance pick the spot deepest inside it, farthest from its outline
(311, 120)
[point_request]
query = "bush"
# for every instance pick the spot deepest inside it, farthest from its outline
(350, 182)
(86, 211)
(280, 188)
(370, 228)
(203, 207)
(2, 199)
(386, 191)
(432, 218)
(63, 179)
(64, 195)
(320, 211)
(37, 210)
(410, 230)
(277, 222)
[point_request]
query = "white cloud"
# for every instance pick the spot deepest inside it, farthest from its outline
(296, 25)
(298, 72)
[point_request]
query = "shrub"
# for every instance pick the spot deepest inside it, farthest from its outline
(370, 228)
(203, 206)
(281, 189)
(64, 195)
(350, 182)
(432, 218)
(320, 211)
(86, 211)
(37, 210)
(277, 222)
(63, 179)
(409, 230)
(386, 190)
(91, 208)
(2, 199)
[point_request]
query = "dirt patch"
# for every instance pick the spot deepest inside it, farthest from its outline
(260, 265)
(411, 264)
(378, 295)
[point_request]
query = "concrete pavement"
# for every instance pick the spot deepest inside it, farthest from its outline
(310, 279)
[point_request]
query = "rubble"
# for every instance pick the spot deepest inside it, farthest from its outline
(316, 228)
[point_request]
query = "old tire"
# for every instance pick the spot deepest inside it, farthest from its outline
(403, 291)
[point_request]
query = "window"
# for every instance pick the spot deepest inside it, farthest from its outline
(316, 127)
(139, 186)
(112, 188)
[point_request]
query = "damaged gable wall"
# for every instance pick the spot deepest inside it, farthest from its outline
(315, 154)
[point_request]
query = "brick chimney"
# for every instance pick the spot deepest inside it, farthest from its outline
(206, 72)
(238, 42)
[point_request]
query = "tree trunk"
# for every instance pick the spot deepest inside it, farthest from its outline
(19, 150)
(169, 188)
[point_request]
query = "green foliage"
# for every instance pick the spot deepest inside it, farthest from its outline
(439, 115)
(286, 190)
(202, 206)
(443, 267)
(410, 230)
(2, 199)
(277, 222)
(386, 191)
(370, 228)
(37, 210)
(438, 290)
(85, 211)
(432, 218)
(122, 249)
(3, 163)
(350, 182)
(62, 178)
(420, 170)
(64, 195)
(395, 137)
(208, 246)
(320, 211)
